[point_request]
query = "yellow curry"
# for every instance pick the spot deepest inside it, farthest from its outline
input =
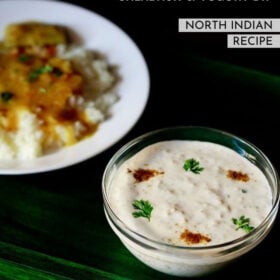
(33, 77)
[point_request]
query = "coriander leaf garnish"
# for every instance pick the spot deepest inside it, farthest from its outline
(243, 223)
(25, 58)
(193, 166)
(33, 75)
(144, 208)
(6, 96)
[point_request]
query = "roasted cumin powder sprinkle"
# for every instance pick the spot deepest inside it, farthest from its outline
(237, 175)
(141, 174)
(194, 238)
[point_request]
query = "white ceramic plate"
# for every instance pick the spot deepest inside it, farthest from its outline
(99, 34)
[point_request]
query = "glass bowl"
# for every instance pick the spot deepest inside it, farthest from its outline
(187, 261)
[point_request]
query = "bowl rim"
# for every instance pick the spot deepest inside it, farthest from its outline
(253, 236)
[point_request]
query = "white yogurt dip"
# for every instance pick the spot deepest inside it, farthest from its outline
(199, 206)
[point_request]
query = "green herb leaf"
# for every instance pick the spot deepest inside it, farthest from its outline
(193, 166)
(25, 58)
(243, 223)
(33, 75)
(6, 96)
(144, 208)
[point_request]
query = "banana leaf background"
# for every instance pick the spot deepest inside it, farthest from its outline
(52, 225)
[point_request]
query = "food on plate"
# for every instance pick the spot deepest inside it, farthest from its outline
(34, 34)
(190, 193)
(52, 93)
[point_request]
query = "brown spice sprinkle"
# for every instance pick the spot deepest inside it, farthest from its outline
(141, 174)
(194, 238)
(239, 176)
